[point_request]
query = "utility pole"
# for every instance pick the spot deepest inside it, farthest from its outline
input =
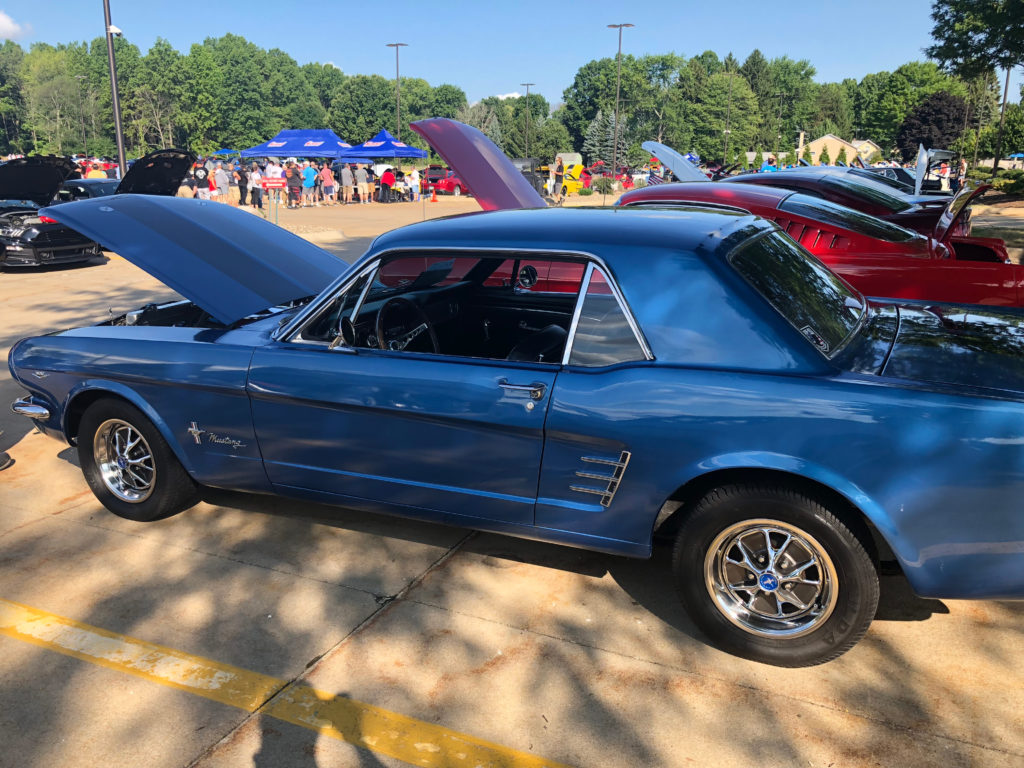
(398, 91)
(728, 118)
(528, 122)
(618, 83)
(111, 32)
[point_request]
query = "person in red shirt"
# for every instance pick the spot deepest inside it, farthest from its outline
(387, 180)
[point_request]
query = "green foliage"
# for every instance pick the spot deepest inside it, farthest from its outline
(758, 160)
(807, 154)
(936, 123)
(600, 141)
(639, 183)
(603, 185)
(824, 158)
(841, 157)
(585, 191)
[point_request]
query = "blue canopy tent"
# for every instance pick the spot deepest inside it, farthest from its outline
(304, 142)
(226, 151)
(381, 145)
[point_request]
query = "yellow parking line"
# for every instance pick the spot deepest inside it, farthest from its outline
(364, 725)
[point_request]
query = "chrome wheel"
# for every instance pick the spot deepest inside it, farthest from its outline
(770, 578)
(124, 460)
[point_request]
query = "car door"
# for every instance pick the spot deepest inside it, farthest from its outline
(414, 431)
(585, 485)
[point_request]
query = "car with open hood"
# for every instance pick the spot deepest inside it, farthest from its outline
(704, 377)
(859, 189)
(876, 256)
(30, 238)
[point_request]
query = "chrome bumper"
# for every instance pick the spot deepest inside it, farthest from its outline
(26, 407)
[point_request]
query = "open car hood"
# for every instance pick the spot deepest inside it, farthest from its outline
(957, 208)
(226, 261)
(36, 178)
(158, 173)
(920, 168)
(485, 170)
(681, 168)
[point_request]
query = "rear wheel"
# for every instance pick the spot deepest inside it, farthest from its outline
(457, 191)
(129, 466)
(772, 575)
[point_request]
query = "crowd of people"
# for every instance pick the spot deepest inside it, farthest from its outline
(307, 183)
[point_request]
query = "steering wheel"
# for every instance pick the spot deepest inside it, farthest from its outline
(401, 341)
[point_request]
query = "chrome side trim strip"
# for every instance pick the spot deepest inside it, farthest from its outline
(25, 406)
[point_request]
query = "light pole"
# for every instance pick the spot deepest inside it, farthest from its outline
(81, 114)
(398, 91)
(528, 122)
(111, 31)
(618, 83)
(728, 117)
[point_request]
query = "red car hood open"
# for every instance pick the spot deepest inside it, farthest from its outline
(957, 208)
(485, 170)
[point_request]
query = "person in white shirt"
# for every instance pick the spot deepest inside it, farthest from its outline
(256, 188)
(414, 183)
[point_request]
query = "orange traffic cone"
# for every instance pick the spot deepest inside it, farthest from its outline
(433, 196)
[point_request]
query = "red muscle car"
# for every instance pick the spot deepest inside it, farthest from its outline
(876, 256)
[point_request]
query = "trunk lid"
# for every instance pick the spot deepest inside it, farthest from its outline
(963, 346)
(484, 169)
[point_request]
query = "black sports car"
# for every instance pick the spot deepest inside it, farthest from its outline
(29, 183)
(26, 238)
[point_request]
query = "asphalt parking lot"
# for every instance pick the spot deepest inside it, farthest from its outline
(256, 631)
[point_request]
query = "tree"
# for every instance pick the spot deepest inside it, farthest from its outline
(807, 156)
(824, 158)
(552, 138)
(936, 123)
(841, 157)
(600, 140)
(362, 107)
(448, 100)
(972, 36)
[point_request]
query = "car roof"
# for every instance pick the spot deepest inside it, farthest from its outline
(90, 182)
(646, 230)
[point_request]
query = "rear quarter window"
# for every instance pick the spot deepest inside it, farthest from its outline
(811, 297)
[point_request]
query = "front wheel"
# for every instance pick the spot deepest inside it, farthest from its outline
(772, 575)
(129, 466)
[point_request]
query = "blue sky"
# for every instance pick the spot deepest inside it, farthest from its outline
(489, 48)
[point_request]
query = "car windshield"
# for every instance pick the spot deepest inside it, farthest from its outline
(104, 188)
(828, 212)
(808, 294)
(871, 190)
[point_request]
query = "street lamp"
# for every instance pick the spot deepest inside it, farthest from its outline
(618, 83)
(528, 122)
(111, 32)
(728, 118)
(398, 91)
(81, 113)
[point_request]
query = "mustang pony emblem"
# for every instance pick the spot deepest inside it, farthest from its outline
(212, 437)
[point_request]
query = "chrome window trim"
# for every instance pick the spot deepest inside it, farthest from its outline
(577, 311)
(591, 259)
(287, 332)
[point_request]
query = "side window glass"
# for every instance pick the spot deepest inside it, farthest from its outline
(326, 326)
(603, 334)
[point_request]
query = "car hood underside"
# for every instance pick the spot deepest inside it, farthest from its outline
(229, 262)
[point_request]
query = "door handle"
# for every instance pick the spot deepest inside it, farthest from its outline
(535, 390)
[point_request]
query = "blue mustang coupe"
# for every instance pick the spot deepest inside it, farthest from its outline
(581, 376)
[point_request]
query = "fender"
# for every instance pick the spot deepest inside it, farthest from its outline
(127, 393)
(803, 468)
